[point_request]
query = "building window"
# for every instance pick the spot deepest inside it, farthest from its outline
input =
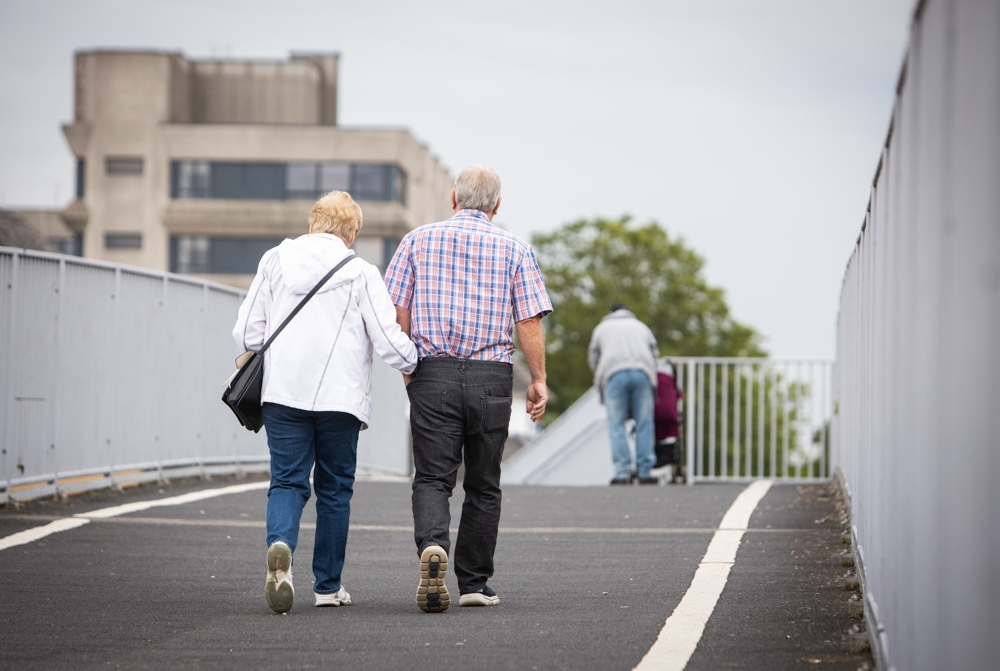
(218, 255)
(191, 179)
(72, 246)
(376, 182)
(123, 240)
(248, 181)
(81, 174)
(123, 165)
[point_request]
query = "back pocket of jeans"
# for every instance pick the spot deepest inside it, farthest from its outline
(496, 413)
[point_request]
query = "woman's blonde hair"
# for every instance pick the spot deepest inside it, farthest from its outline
(336, 213)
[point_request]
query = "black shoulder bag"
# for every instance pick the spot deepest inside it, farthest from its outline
(243, 388)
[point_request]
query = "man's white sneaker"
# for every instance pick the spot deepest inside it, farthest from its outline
(484, 597)
(432, 595)
(278, 589)
(338, 598)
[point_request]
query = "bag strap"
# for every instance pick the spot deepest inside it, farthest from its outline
(305, 300)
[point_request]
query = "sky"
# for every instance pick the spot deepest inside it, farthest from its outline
(750, 128)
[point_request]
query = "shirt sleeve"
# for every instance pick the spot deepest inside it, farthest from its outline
(528, 293)
(399, 275)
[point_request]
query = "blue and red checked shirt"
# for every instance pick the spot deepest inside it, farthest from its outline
(465, 282)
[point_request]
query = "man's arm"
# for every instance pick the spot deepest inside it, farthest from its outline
(403, 319)
(532, 337)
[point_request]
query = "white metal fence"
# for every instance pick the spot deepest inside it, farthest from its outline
(111, 375)
(747, 419)
(918, 355)
(742, 420)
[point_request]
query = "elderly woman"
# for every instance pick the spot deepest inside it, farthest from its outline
(317, 386)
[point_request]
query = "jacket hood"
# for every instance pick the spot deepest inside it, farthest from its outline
(306, 259)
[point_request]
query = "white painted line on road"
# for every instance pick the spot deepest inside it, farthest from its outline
(683, 629)
(31, 535)
(191, 497)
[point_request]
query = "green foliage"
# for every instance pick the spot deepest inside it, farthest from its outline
(590, 264)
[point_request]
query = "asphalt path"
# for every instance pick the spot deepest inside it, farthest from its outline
(586, 577)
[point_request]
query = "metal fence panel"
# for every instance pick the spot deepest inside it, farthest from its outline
(746, 419)
(111, 374)
(917, 380)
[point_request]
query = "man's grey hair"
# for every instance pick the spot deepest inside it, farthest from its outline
(477, 188)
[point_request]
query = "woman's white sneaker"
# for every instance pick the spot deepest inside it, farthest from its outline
(278, 589)
(484, 597)
(338, 598)
(432, 595)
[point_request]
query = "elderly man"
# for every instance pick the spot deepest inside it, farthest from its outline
(458, 286)
(622, 354)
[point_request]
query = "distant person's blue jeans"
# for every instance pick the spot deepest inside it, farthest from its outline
(297, 439)
(629, 394)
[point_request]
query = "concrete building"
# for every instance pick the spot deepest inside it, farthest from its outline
(199, 166)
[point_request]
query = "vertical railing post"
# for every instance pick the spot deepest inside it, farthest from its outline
(689, 419)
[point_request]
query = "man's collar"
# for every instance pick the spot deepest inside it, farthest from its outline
(473, 214)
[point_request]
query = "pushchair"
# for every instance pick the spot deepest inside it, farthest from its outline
(668, 422)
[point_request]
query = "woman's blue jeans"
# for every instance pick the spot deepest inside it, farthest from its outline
(629, 394)
(298, 439)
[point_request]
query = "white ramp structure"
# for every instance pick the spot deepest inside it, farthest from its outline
(575, 450)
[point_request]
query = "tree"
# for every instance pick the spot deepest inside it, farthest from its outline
(590, 264)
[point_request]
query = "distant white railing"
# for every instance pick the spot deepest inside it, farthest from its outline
(111, 375)
(748, 419)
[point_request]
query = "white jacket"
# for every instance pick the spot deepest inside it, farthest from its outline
(322, 361)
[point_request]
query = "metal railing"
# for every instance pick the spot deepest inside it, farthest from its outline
(747, 419)
(111, 375)
(743, 419)
(915, 437)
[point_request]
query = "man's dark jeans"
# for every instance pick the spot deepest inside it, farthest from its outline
(456, 403)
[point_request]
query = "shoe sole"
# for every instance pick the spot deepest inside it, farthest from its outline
(432, 595)
(333, 603)
(477, 599)
(278, 589)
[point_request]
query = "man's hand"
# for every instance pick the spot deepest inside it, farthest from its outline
(538, 396)
(407, 379)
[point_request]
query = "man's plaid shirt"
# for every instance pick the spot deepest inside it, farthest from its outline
(465, 281)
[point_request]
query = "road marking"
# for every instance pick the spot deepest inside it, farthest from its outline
(31, 535)
(683, 629)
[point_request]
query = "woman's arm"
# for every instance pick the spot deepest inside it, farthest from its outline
(251, 323)
(379, 314)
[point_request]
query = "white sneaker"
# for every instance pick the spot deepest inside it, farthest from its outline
(432, 595)
(278, 589)
(484, 597)
(338, 598)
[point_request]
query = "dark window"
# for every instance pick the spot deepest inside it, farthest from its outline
(123, 165)
(221, 255)
(248, 181)
(301, 181)
(81, 174)
(72, 246)
(334, 177)
(286, 181)
(371, 182)
(123, 240)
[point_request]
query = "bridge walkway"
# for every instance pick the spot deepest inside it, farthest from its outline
(587, 577)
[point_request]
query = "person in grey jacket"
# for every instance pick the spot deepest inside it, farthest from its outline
(622, 355)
